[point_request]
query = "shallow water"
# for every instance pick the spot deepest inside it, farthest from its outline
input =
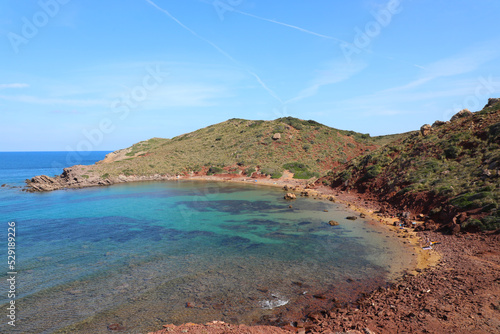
(146, 254)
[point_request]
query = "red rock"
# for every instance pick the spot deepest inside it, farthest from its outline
(115, 327)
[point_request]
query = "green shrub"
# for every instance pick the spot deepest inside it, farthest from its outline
(294, 167)
(491, 222)
(249, 171)
(345, 175)
(452, 152)
(215, 170)
(445, 190)
(373, 171)
(304, 175)
(276, 175)
(494, 132)
(465, 201)
(488, 223)
(128, 172)
(105, 176)
(85, 176)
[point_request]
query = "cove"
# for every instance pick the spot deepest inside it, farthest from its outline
(146, 254)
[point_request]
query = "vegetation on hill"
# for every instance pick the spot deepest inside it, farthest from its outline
(237, 146)
(451, 167)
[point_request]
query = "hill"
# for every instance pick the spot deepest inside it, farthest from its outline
(449, 171)
(236, 147)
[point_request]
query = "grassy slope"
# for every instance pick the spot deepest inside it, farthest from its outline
(239, 145)
(456, 166)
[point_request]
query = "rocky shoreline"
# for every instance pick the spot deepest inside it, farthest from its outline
(455, 288)
(77, 177)
(460, 293)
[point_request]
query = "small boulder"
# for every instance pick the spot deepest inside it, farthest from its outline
(277, 136)
(362, 215)
(290, 196)
(461, 114)
(115, 327)
(492, 101)
(333, 223)
(352, 218)
(425, 130)
(438, 123)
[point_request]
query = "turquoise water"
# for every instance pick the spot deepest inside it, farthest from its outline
(145, 254)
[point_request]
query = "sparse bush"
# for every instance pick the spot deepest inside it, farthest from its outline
(452, 152)
(215, 170)
(305, 175)
(276, 175)
(249, 171)
(373, 171)
(128, 172)
(345, 175)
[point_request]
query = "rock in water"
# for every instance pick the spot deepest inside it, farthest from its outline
(290, 196)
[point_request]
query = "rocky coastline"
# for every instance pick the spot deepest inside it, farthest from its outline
(77, 177)
(455, 288)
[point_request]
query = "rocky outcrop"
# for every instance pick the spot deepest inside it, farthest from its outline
(82, 177)
(425, 130)
(461, 114)
(72, 177)
(492, 101)
(438, 123)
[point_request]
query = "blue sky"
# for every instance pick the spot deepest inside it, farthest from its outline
(102, 75)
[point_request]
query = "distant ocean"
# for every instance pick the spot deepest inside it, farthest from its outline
(144, 254)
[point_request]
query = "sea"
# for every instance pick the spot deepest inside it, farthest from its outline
(137, 256)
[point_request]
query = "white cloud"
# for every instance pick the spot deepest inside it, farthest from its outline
(335, 72)
(461, 63)
(54, 101)
(14, 85)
